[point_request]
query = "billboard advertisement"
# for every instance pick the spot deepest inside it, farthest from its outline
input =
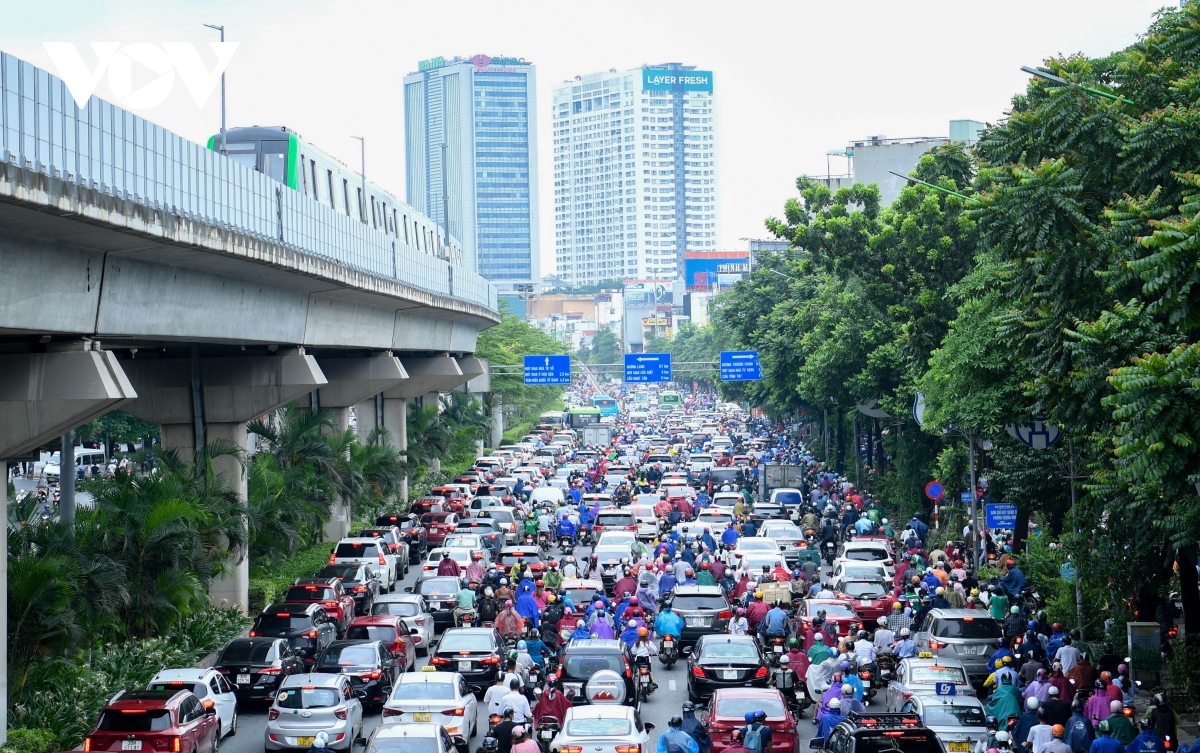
(647, 294)
(700, 268)
(659, 80)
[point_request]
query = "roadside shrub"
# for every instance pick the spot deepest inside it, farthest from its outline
(29, 741)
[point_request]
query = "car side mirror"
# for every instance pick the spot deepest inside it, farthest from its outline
(408, 589)
(687, 651)
(360, 695)
(414, 631)
(817, 743)
(649, 726)
(210, 711)
(360, 742)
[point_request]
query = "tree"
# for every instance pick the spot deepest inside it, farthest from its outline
(605, 347)
(116, 427)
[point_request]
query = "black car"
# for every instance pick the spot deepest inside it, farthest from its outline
(875, 733)
(724, 661)
(358, 581)
(256, 666)
(371, 667)
(718, 477)
(440, 592)
(475, 653)
(307, 628)
(703, 609)
(584, 658)
(412, 530)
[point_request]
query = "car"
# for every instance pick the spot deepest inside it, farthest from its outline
(677, 488)
(439, 592)
(726, 713)
(461, 555)
(487, 530)
(921, 676)
(958, 721)
(724, 661)
(699, 462)
(870, 550)
(416, 615)
(763, 511)
(439, 525)
(581, 591)
(329, 593)
(844, 568)
(422, 697)
(155, 720)
(647, 521)
(392, 632)
(753, 563)
(307, 628)
(965, 634)
(716, 520)
(877, 733)
(871, 598)
(484, 501)
(529, 555)
(506, 519)
(412, 531)
(787, 535)
(411, 738)
(475, 653)
(838, 612)
(785, 495)
(614, 519)
(602, 728)
(597, 670)
(205, 684)
(621, 537)
(370, 665)
(366, 551)
(703, 610)
(256, 666)
(397, 546)
(425, 505)
(356, 580)
(756, 545)
(311, 703)
(472, 542)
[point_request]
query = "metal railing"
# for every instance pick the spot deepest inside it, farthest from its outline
(111, 150)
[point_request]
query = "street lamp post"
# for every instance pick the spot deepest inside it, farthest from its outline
(222, 30)
(362, 196)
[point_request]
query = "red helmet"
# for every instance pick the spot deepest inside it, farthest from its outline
(704, 565)
(1010, 563)
(540, 583)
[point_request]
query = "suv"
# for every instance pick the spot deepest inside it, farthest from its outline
(584, 658)
(306, 626)
(474, 653)
(964, 634)
(155, 720)
(412, 531)
(613, 519)
(256, 666)
(329, 593)
(874, 733)
(397, 547)
(358, 581)
(703, 610)
(367, 551)
(370, 665)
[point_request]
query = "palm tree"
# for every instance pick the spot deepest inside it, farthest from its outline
(462, 412)
(381, 468)
(428, 437)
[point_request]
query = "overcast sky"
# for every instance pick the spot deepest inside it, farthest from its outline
(793, 78)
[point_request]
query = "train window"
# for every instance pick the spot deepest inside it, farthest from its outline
(249, 159)
(332, 203)
(303, 174)
(346, 194)
(315, 185)
(406, 240)
(362, 209)
(394, 225)
(273, 158)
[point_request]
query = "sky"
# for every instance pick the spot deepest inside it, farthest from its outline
(793, 79)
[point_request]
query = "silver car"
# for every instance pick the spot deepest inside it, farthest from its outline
(924, 676)
(312, 703)
(414, 613)
(967, 635)
(958, 721)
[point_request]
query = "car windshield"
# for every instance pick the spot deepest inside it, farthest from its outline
(463, 542)
(953, 716)
(274, 623)
(968, 627)
(787, 498)
(719, 649)
(460, 641)
(581, 665)
(864, 571)
(611, 554)
(581, 595)
(867, 555)
(341, 572)
(357, 550)
(833, 610)
(512, 559)
(863, 589)
(385, 633)
(199, 688)
(398, 608)
(935, 673)
(415, 691)
(247, 651)
(308, 698)
(407, 744)
(310, 593)
(699, 602)
(434, 517)
(737, 707)
(599, 727)
(757, 545)
(504, 516)
(135, 720)
(909, 742)
(439, 586)
(615, 519)
(348, 656)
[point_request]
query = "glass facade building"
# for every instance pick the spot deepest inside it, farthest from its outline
(471, 132)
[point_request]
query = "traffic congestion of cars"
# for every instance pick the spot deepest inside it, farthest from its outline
(561, 584)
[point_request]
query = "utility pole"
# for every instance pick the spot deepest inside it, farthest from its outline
(1074, 476)
(974, 542)
(362, 196)
(66, 479)
(222, 30)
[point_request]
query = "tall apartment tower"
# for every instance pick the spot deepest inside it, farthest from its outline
(635, 173)
(470, 129)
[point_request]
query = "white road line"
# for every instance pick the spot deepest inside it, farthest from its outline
(671, 685)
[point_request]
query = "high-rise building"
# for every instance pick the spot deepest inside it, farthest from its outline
(470, 128)
(635, 172)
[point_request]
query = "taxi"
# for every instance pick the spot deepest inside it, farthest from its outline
(926, 675)
(430, 696)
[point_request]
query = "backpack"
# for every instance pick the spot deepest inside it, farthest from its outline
(752, 740)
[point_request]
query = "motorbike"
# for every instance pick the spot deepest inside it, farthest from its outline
(493, 722)
(644, 686)
(774, 649)
(535, 677)
(830, 552)
(668, 650)
(466, 619)
(543, 540)
(869, 674)
(585, 536)
(886, 666)
(564, 545)
(547, 729)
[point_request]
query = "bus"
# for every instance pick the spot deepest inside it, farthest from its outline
(670, 398)
(577, 418)
(606, 404)
(642, 399)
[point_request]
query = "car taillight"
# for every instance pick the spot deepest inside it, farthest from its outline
(341, 712)
(719, 727)
(312, 633)
(454, 712)
(935, 644)
(724, 615)
(440, 661)
(697, 672)
(382, 561)
(87, 744)
(491, 660)
(273, 714)
(420, 620)
(392, 712)
(360, 589)
(762, 672)
(333, 558)
(176, 744)
(629, 749)
(253, 634)
(331, 604)
(571, 749)
(270, 670)
(373, 675)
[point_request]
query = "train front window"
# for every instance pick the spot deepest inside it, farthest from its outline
(243, 153)
(273, 160)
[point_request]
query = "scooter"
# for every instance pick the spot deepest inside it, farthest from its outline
(466, 619)
(668, 650)
(547, 729)
(830, 551)
(644, 683)
(564, 545)
(774, 649)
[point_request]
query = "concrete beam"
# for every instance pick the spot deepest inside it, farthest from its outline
(471, 368)
(482, 382)
(234, 389)
(425, 375)
(353, 380)
(43, 395)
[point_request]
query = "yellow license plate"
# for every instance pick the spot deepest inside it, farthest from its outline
(305, 740)
(421, 716)
(959, 747)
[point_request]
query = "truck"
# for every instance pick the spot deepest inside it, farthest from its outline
(779, 475)
(596, 435)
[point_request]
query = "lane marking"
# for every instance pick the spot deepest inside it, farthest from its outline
(671, 685)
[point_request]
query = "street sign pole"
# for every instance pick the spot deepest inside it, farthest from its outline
(975, 539)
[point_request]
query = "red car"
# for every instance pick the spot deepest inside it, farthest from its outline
(726, 713)
(869, 598)
(838, 612)
(389, 629)
(156, 721)
(423, 505)
(452, 499)
(329, 593)
(439, 525)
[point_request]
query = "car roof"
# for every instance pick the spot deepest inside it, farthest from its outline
(357, 540)
(600, 711)
(605, 643)
(729, 638)
(582, 583)
(421, 729)
(413, 678)
(291, 607)
(189, 674)
(961, 614)
(699, 591)
(937, 661)
(949, 700)
(154, 698)
(397, 598)
(318, 679)
(375, 619)
(748, 692)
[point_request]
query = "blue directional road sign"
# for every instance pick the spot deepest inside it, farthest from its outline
(964, 497)
(740, 366)
(647, 367)
(547, 369)
(1000, 516)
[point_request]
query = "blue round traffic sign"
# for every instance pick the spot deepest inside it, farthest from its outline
(934, 490)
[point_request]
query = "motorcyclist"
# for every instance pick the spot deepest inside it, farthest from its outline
(565, 528)
(1012, 580)
(675, 740)
(448, 566)
(668, 623)
(508, 622)
(464, 600)
(775, 623)
(694, 729)
(786, 680)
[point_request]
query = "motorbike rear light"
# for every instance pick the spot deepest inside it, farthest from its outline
(454, 712)
(762, 672)
(341, 712)
(273, 714)
(697, 671)
(494, 719)
(645, 670)
(864, 675)
(1128, 712)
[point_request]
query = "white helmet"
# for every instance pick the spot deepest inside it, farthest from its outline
(904, 632)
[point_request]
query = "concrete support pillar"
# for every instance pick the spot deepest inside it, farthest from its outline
(232, 588)
(497, 420)
(338, 525)
(428, 399)
(395, 419)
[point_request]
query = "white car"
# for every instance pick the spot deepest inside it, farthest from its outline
(367, 551)
(716, 520)
(677, 488)
(413, 612)
(726, 500)
(438, 697)
(460, 555)
(647, 521)
(870, 552)
(699, 463)
(602, 728)
(856, 570)
(747, 545)
(209, 685)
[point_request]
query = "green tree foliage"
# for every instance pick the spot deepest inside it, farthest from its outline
(116, 427)
(507, 344)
